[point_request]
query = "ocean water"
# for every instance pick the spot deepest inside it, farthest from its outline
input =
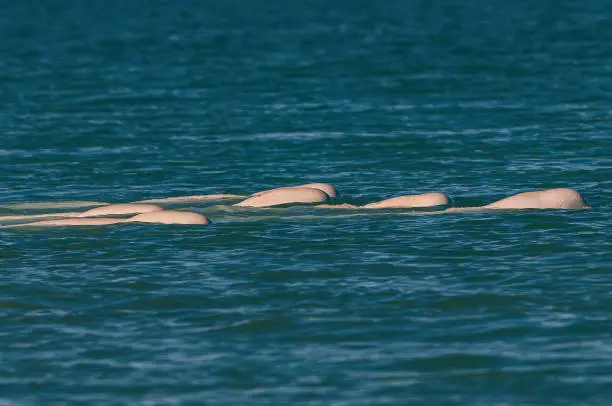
(124, 100)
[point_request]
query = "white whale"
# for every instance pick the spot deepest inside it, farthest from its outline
(112, 209)
(288, 195)
(544, 199)
(159, 217)
(410, 201)
(562, 198)
(399, 202)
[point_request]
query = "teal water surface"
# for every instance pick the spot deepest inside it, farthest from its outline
(120, 101)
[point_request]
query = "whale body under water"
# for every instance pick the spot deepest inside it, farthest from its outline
(158, 217)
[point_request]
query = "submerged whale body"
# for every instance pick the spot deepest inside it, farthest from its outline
(108, 210)
(158, 217)
(92, 221)
(52, 205)
(180, 199)
(118, 209)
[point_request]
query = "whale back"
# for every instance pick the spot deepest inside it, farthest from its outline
(286, 195)
(543, 199)
(409, 201)
(170, 217)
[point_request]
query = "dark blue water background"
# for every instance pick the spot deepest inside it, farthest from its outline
(124, 100)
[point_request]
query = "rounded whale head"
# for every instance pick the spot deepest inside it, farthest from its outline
(325, 187)
(409, 201)
(543, 199)
(287, 195)
(562, 199)
(170, 217)
(115, 209)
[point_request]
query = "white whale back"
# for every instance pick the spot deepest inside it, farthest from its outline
(287, 195)
(169, 217)
(543, 199)
(422, 200)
